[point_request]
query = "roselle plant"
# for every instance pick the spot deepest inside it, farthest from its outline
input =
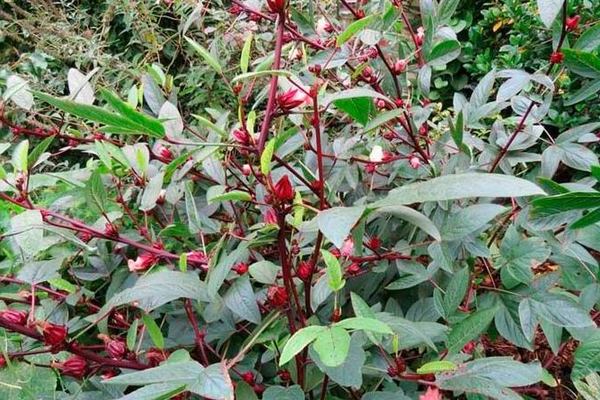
(335, 235)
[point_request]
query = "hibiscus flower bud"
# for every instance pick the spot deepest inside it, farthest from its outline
(54, 335)
(241, 136)
(347, 248)
(420, 36)
(110, 373)
(198, 259)
(284, 375)
(277, 296)
(360, 14)
(556, 57)
(572, 22)
(115, 348)
(305, 270)
(291, 99)
(469, 348)
(380, 103)
(75, 366)
(414, 162)
(142, 262)
(258, 388)
(240, 268)
(276, 6)
(2, 362)
(164, 152)
(156, 356)
(270, 217)
(353, 269)
(283, 189)
(14, 316)
(248, 377)
(235, 9)
(400, 66)
(111, 230)
(246, 170)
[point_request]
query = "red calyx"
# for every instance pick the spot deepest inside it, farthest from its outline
(165, 153)
(353, 269)
(291, 99)
(276, 6)
(374, 242)
(258, 388)
(572, 22)
(277, 296)
(400, 66)
(75, 366)
(283, 189)
(241, 136)
(248, 377)
(284, 375)
(14, 316)
(556, 57)
(54, 335)
(469, 348)
(240, 268)
(156, 356)
(111, 230)
(305, 270)
(2, 362)
(116, 348)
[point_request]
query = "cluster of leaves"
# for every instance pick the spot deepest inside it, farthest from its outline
(327, 229)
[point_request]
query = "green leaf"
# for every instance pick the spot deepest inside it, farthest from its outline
(157, 288)
(298, 342)
(209, 125)
(567, 201)
(586, 91)
(443, 52)
(411, 216)
(241, 301)
(234, 195)
(354, 28)
(23, 381)
(365, 324)
(245, 56)
(589, 219)
(460, 186)
(434, 367)
(39, 150)
(352, 94)
(457, 130)
(264, 272)
(155, 391)
(561, 311)
(35, 272)
(126, 110)
(519, 255)
(19, 156)
(334, 271)
(456, 290)
(469, 329)
(258, 74)
(332, 344)
(336, 223)
(132, 334)
(469, 220)
(348, 373)
(589, 40)
(359, 108)
(116, 122)
(383, 118)
(205, 54)
(582, 63)
(267, 156)
(587, 357)
(293, 392)
(95, 192)
(549, 10)
(154, 331)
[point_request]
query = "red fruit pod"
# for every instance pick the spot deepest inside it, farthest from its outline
(54, 335)
(276, 6)
(353, 269)
(291, 99)
(284, 375)
(248, 377)
(374, 242)
(283, 189)
(14, 316)
(572, 22)
(75, 366)
(277, 296)
(2, 362)
(241, 268)
(305, 270)
(556, 57)
(115, 348)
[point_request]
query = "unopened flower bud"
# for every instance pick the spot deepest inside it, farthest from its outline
(400, 66)
(276, 6)
(305, 270)
(283, 189)
(277, 296)
(572, 22)
(240, 268)
(241, 136)
(353, 269)
(270, 217)
(414, 162)
(246, 169)
(556, 57)
(248, 377)
(291, 99)
(54, 335)
(14, 316)
(75, 366)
